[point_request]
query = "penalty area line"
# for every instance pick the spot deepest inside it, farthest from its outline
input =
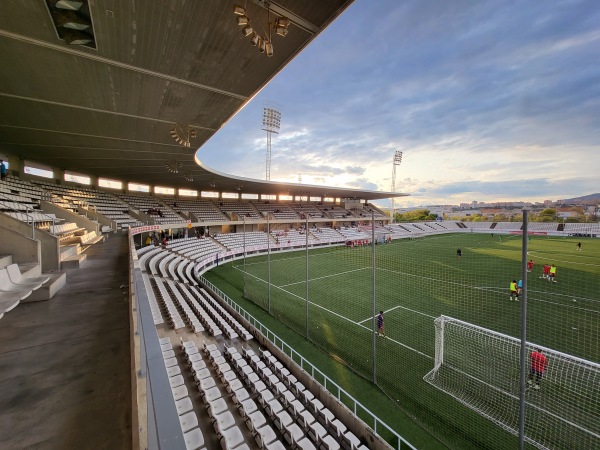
(402, 307)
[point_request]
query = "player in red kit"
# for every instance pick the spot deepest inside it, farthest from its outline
(539, 362)
(530, 265)
(546, 274)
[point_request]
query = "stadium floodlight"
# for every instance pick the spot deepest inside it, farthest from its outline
(265, 45)
(395, 163)
(247, 30)
(269, 49)
(271, 123)
(479, 368)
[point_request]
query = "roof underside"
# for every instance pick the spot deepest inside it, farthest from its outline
(108, 112)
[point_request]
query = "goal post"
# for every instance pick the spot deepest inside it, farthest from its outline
(480, 368)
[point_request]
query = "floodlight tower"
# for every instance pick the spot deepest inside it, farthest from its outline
(270, 123)
(396, 162)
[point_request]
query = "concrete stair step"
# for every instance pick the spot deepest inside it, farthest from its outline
(5, 260)
(69, 250)
(73, 261)
(49, 288)
(31, 269)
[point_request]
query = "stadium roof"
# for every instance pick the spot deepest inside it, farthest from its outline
(108, 111)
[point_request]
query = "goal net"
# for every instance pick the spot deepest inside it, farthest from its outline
(480, 368)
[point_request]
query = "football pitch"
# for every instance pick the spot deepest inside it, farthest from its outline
(416, 281)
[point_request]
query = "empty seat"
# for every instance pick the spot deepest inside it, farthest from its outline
(184, 405)
(193, 439)
(350, 441)
(188, 421)
(14, 273)
(255, 420)
(179, 392)
(264, 436)
(305, 444)
(231, 438)
(222, 422)
(292, 434)
(328, 442)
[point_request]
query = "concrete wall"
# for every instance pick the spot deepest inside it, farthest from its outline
(70, 216)
(50, 253)
(101, 218)
(24, 250)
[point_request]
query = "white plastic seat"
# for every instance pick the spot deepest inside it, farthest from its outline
(247, 407)
(292, 434)
(175, 381)
(223, 421)
(282, 419)
(275, 445)
(234, 385)
(273, 407)
(305, 444)
(325, 417)
(316, 431)
(211, 394)
(205, 384)
(170, 362)
(350, 441)
(183, 405)
(193, 439)
(337, 428)
(264, 436)
(305, 419)
(188, 421)
(201, 374)
(179, 392)
(239, 396)
(198, 365)
(231, 438)
(216, 406)
(255, 420)
(172, 371)
(328, 442)
(14, 275)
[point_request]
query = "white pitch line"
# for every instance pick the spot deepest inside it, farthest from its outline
(403, 307)
(347, 319)
(559, 260)
(532, 299)
(326, 276)
(297, 296)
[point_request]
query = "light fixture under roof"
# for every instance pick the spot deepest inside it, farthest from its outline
(183, 134)
(72, 21)
(264, 44)
(72, 5)
(247, 30)
(173, 166)
(239, 10)
(69, 19)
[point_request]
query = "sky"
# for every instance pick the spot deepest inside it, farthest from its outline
(488, 101)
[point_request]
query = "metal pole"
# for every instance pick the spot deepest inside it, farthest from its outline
(374, 306)
(268, 265)
(306, 232)
(244, 220)
(523, 355)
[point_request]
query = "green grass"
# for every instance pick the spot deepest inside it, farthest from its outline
(416, 281)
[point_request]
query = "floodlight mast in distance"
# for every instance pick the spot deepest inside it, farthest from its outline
(271, 123)
(396, 162)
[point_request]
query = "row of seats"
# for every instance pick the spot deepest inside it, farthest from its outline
(169, 308)
(14, 287)
(188, 420)
(154, 308)
(316, 420)
(232, 321)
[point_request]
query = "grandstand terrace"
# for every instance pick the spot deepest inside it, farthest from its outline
(112, 336)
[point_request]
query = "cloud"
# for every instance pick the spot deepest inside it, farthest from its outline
(488, 99)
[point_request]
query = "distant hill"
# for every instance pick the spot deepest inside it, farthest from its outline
(584, 198)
